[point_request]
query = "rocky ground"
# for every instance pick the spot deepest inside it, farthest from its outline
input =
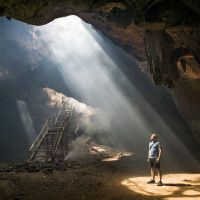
(124, 178)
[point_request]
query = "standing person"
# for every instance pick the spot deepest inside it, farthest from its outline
(155, 152)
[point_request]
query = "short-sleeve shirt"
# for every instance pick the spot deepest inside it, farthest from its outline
(153, 147)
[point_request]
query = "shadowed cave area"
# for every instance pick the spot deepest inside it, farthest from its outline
(42, 65)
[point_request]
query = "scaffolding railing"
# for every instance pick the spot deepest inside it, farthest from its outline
(60, 126)
(34, 147)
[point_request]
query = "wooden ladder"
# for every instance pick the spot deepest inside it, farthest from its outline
(52, 141)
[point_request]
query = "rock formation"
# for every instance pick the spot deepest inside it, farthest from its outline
(162, 36)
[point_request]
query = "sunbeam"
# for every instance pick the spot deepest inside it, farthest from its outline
(74, 58)
(85, 62)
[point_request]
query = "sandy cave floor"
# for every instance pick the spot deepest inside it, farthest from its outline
(122, 179)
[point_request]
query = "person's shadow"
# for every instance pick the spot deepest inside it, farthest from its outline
(176, 184)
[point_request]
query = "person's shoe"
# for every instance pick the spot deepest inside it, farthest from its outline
(159, 183)
(151, 181)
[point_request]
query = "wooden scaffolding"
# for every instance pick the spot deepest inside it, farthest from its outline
(52, 141)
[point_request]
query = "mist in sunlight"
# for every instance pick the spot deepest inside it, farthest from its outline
(85, 61)
(68, 53)
(85, 65)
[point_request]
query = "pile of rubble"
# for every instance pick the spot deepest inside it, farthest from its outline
(46, 167)
(105, 153)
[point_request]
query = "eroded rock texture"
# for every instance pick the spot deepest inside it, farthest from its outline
(162, 36)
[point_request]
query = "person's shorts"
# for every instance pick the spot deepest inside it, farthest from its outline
(153, 163)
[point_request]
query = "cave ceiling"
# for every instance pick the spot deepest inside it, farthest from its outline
(164, 34)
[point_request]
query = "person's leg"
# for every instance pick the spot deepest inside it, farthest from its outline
(152, 164)
(153, 173)
(157, 166)
(159, 173)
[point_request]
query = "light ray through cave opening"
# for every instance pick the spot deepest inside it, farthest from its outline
(84, 64)
(84, 60)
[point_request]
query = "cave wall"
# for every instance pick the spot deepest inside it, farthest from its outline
(162, 36)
